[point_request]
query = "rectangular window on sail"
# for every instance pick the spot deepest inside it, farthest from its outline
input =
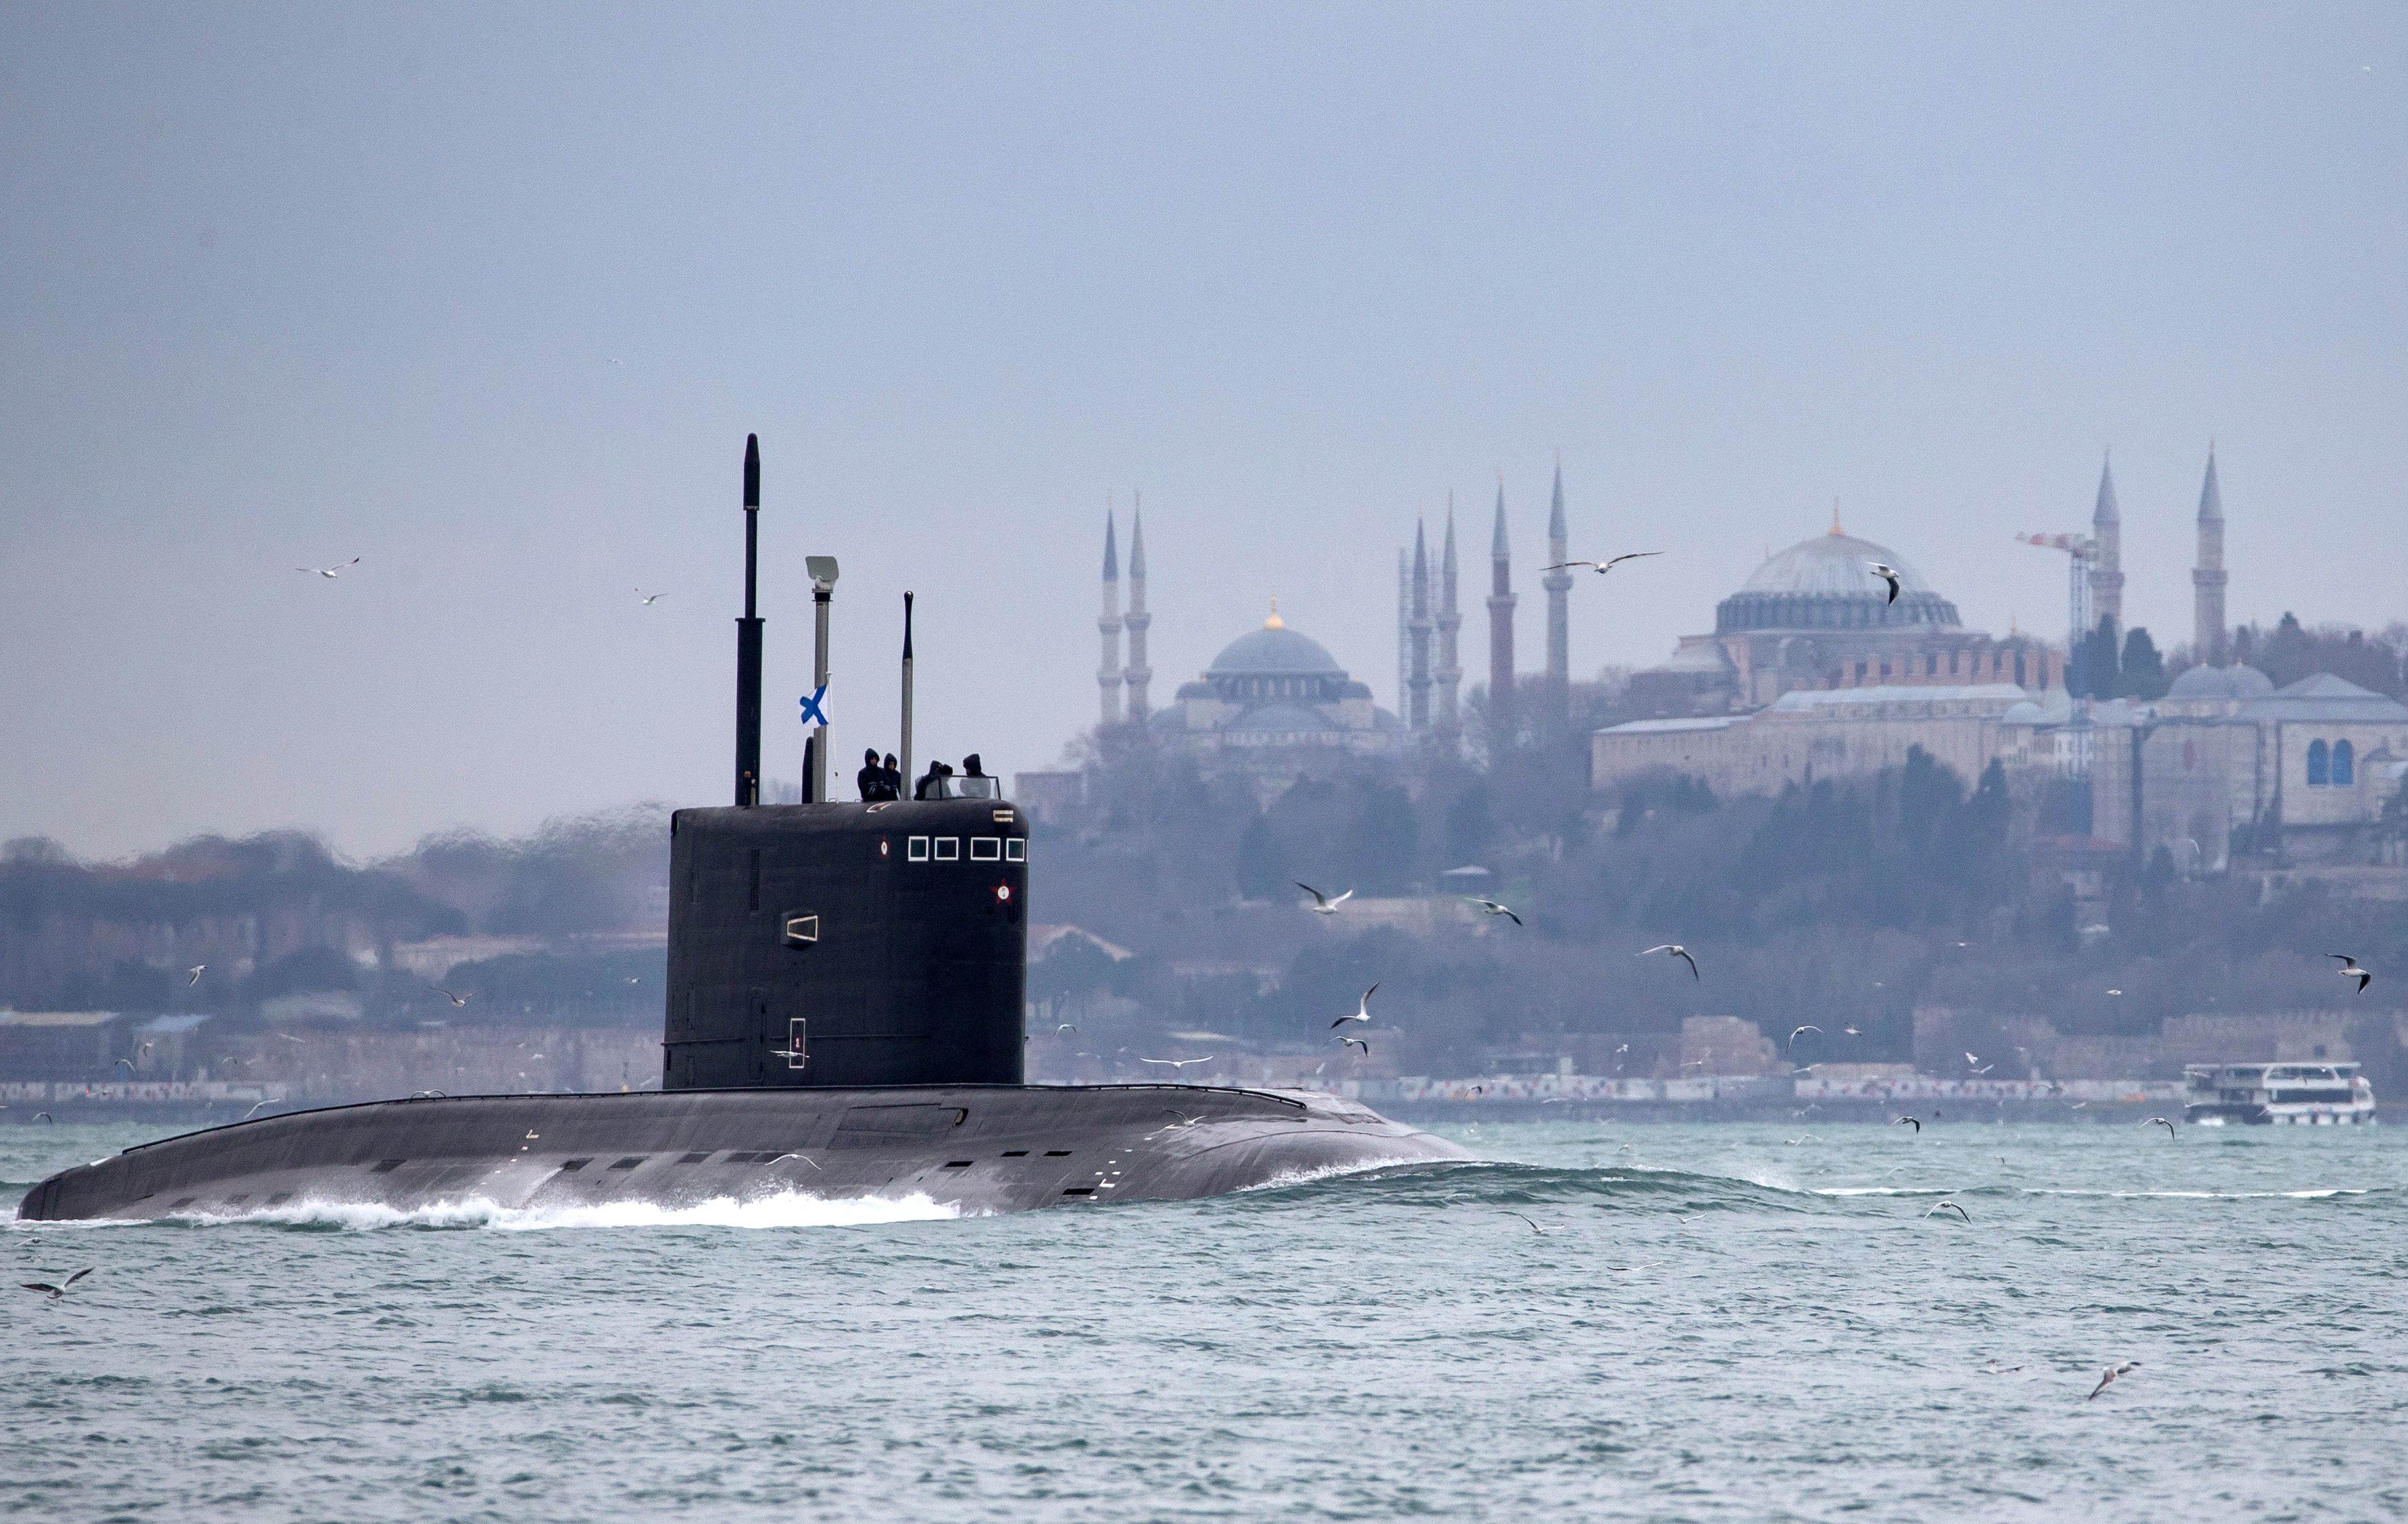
(949, 849)
(916, 850)
(986, 849)
(1015, 850)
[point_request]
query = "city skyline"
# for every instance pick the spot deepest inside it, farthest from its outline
(492, 305)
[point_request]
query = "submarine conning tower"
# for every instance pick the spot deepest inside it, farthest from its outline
(846, 945)
(843, 945)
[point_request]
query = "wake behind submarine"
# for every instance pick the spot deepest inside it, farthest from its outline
(846, 992)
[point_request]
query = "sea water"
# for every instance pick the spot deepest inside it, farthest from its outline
(1710, 1322)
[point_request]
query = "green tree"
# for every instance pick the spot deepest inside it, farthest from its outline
(2145, 670)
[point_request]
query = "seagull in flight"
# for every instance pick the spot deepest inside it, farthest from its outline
(1908, 1122)
(2349, 970)
(1358, 1042)
(2160, 1122)
(649, 599)
(1493, 908)
(1606, 566)
(2108, 1377)
(1063, 1028)
(1321, 904)
(1534, 1227)
(1362, 1009)
(459, 1000)
(1177, 1064)
(1977, 1065)
(1939, 1207)
(1795, 1031)
(1888, 573)
(330, 572)
(196, 972)
(126, 1064)
(58, 1292)
(1676, 951)
(1852, 1032)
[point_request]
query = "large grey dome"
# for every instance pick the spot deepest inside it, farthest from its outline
(2211, 685)
(1834, 564)
(1827, 582)
(1275, 651)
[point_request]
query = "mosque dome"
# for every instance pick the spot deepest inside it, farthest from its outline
(1828, 583)
(1275, 651)
(2217, 685)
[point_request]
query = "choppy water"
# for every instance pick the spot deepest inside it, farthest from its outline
(1717, 1323)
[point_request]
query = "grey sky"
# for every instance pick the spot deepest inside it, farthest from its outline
(490, 296)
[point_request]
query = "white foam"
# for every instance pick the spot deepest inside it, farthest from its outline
(787, 1209)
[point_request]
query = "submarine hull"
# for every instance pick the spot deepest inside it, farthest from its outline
(978, 1148)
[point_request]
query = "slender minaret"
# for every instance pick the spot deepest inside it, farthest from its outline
(1560, 625)
(2209, 640)
(1450, 621)
(2107, 570)
(1420, 716)
(1500, 633)
(1108, 676)
(1404, 633)
(1139, 673)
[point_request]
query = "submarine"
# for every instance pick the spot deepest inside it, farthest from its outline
(844, 1019)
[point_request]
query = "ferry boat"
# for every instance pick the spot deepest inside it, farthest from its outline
(2293, 1094)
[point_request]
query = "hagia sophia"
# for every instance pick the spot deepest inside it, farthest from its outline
(1813, 671)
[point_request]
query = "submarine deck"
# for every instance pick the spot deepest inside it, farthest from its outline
(976, 1147)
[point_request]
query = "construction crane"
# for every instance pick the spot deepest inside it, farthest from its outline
(2083, 551)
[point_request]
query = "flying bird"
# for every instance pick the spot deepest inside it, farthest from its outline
(1063, 1028)
(196, 972)
(1852, 1032)
(1947, 1206)
(2160, 1122)
(254, 1109)
(649, 599)
(2108, 1377)
(1888, 575)
(2349, 970)
(1492, 907)
(1795, 1031)
(1177, 1063)
(1674, 950)
(330, 571)
(460, 1000)
(1321, 904)
(1908, 1122)
(1358, 1042)
(1606, 566)
(1362, 1009)
(58, 1292)
(1534, 1227)
(1994, 1368)
(126, 1064)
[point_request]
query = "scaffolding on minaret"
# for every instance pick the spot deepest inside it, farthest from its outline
(1450, 622)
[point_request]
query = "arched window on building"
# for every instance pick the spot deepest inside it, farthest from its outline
(2345, 766)
(2319, 765)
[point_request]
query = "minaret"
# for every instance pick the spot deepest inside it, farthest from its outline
(2209, 641)
(1139, 673)
(1450, 621)
(1404, 633)
(1108, 676)
(1500, 633)
(1420, 717)
(1560, 625)
(2107, 571)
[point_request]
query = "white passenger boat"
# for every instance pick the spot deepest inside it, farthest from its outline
(2294, 1094)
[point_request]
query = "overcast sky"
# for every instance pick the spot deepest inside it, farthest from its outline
(490, 296)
